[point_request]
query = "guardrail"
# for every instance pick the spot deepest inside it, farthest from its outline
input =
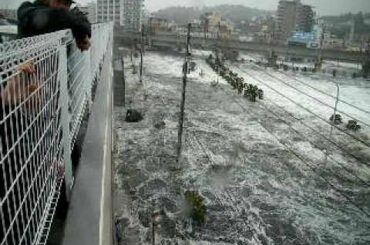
(46, 88)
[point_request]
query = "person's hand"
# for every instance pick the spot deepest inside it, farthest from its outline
(35, 97)
(14, 93)
(28, 68)
(84, 44)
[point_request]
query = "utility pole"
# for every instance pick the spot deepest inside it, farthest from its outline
(150, 32)
(319, 56)
(153, 230)
(333, 121)
(206, 23)
(182, 106)
(218, 31)
(272, 37)
(272, 60)
(123, 81)
(141, 53)
(156, 218)
(366, 62)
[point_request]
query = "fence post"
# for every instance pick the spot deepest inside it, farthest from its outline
(64, 100)
(89, 80)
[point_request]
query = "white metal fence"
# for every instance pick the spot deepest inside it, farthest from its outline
(46, 88)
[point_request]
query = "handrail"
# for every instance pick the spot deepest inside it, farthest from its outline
(46, 89)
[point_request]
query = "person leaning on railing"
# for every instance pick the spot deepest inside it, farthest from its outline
(13, 92)
(45, 16)
(18, 92)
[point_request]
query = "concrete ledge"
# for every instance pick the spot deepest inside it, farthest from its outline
(89, 219)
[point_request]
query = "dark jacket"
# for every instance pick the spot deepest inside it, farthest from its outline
(37, 18)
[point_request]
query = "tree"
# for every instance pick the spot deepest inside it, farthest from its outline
(336, 119)
(198, 209)
(353, 125)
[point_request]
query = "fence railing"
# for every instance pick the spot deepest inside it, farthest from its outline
(46, 89)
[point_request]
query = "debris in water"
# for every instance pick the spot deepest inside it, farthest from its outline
(133, 116)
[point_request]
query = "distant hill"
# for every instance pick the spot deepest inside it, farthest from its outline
(235, 13)
(340, 25)
(181, 15)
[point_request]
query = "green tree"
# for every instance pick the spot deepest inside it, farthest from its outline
(197, 206)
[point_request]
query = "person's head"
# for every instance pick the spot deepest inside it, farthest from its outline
(57, 4)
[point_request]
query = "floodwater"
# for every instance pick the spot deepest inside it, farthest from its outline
(269, 172)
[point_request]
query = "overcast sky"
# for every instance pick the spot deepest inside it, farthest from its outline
(323, 7)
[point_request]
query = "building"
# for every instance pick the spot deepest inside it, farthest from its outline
(127, 13)
(305, 18)
(133, 15)
(157, 25)
(310, 39)
(263, 35)
(286, 19)
(8, 14)
(89, 11)
(293, 16)
(216, 26)
(331, 41)
(109, 10)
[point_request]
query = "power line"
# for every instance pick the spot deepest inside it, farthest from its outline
(307, 164)
(314, 169)
(320, 134)
(323, 92)
(202, 148)
(318, 90)
(317, 132)
(310, 96)
(320, 148)
(308, 110)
